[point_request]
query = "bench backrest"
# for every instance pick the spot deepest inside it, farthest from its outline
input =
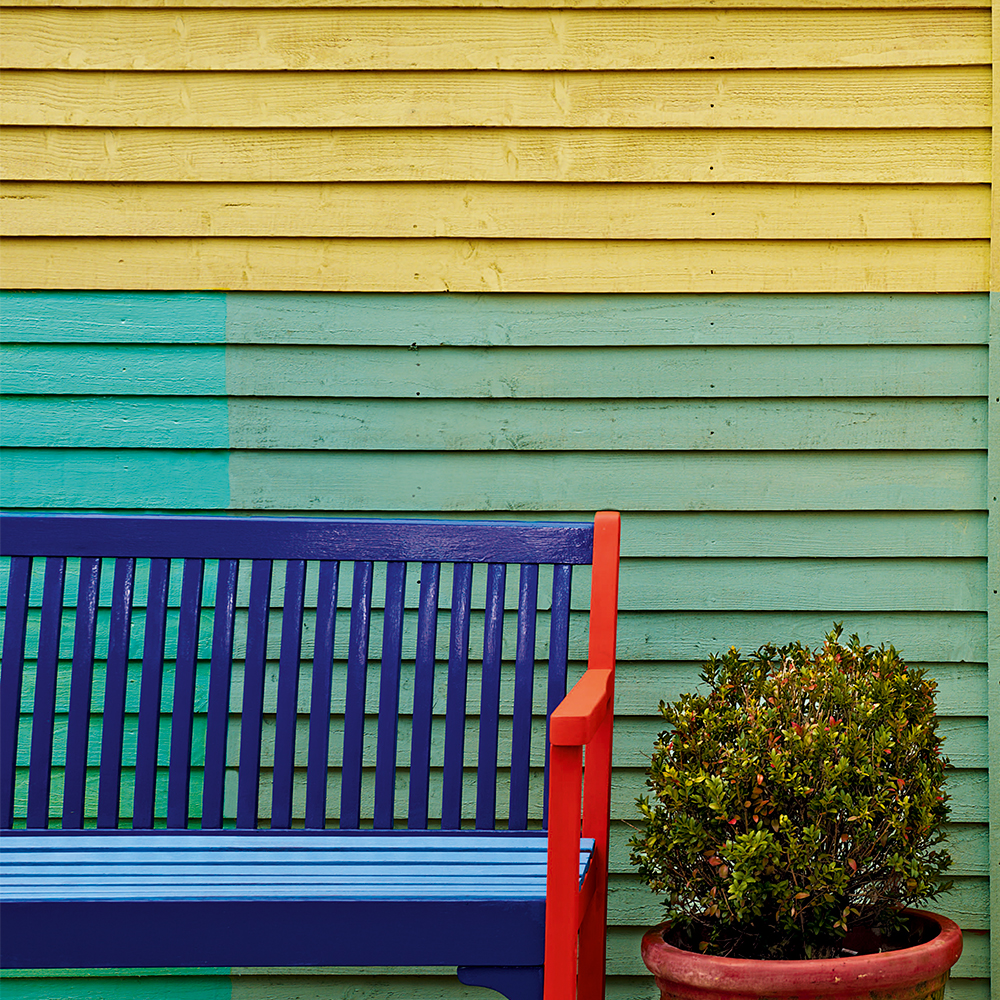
(203, 671)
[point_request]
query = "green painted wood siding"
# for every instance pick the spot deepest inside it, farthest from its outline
(781, 461)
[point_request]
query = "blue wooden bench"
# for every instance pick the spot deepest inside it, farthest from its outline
(214, 751)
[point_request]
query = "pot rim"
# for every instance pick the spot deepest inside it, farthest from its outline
(902, 967)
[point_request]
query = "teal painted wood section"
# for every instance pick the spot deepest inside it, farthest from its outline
(113, 317)
(594, 320)
(624, 372)
(115, 422)
(783, 462)
(98, 479)
(558, 481)
(110, 984)
(114, 400)
(114, 369)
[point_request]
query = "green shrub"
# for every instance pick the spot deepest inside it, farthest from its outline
(799, 797)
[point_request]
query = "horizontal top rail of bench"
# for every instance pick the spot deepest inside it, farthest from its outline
(207, 537)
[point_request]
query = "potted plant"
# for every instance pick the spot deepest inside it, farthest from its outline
(795, 816)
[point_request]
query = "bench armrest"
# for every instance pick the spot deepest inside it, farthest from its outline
(578, 716)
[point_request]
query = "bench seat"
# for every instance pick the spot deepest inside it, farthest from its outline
(279, 892)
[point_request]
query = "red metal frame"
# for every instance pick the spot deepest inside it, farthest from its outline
(576, 917)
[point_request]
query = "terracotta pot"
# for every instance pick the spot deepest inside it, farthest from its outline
(917, 973)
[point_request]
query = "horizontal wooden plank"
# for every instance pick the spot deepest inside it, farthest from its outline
(513, 320)
(417, 265)
(460, 425)
(185, 479)
(604, 373)
(402, 375)
(339, 39)
(119, 422)
(172, 370)
(949, 97)
(525, 4)
(115, 317)
(680, 155)
(150, 422)
(563, 211)
(577, 481)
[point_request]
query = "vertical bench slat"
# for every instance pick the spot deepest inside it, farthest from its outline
(317, 765)
(147, 740)
(115, 685)
(288, 695)
(11, 673)
(44, 710)
(80, 691)
(219, 682)
(423, 695)
(562, 578)
(182, 713)
(524, 683)
(247, 796)
(489, 698)
(388, 706)
(354, 708)
(454, 718)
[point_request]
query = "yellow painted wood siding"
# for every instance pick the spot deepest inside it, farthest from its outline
(610, 147)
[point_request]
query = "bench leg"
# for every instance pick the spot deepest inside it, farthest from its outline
(523, 982)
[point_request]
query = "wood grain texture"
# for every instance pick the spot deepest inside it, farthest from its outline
(561, 211)
(114, 422)
(113, 368)
(114, 317)
(108, 479)
(417, 265)
(459, 425)
(429, 320)
(934, 97)
(459, 320)
(429, 38)
(595, 481)
(526, 373)
(591, 320)
(800, 155)
(434, 425)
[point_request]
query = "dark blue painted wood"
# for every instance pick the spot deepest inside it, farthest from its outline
(182, 713)
(454, 721)
(219, 682)
(562, 580)
(116, 684)
(80, 691)
(423, 695)
(524, 682)
(354, 710)
(286, 716)
(489, 699)
(298, 538)
(43, 713)
(11, 676)
(150, 695)
(247, 792)
(317, 764)
(388, 707)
